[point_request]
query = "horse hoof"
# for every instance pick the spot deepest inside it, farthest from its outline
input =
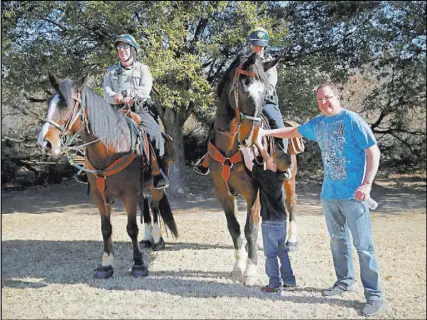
(159, 245)
(104, 272)
(292, 246)
(237, 275)
(251, 281)
(139, 271)
(145, 244)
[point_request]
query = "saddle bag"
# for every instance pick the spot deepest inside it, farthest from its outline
(295, 145)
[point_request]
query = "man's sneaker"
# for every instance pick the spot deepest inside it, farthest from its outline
(198, 168)
(372, 307)
(268, 289)
(81, 177)
(335, 290)
(289, 287)
(160, 181)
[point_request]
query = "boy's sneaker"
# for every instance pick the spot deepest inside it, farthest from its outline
(336, 289)
(268, 289)
(372, 307)
(289, 287)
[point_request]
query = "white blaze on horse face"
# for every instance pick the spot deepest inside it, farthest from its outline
(45, 128)
(256, 90)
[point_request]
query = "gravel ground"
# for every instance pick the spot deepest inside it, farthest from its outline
(51, 243)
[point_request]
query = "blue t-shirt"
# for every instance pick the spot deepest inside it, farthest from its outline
(342, 139)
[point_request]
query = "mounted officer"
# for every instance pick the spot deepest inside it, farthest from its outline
(257, 42)
(128, 84)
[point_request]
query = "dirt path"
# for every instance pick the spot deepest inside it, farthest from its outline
(51, 243)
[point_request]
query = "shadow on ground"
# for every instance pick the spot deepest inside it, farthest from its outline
(200, 197)
(37, 264)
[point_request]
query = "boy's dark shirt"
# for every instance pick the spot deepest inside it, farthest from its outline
(271, 184)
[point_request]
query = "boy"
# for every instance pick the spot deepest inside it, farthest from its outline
(273, 217)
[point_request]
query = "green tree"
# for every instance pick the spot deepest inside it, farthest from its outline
(381, 41)
(186, 44)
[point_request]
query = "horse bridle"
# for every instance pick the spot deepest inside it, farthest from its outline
(78, 111)
(235, 126)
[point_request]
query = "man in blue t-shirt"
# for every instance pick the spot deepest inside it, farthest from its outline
(350, 158)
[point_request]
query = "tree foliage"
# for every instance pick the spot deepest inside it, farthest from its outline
(189, 44)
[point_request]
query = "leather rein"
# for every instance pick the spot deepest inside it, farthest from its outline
(79, 110)
(228, 162)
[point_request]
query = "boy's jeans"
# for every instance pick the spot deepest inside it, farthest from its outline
(273, 238)
(343, 216)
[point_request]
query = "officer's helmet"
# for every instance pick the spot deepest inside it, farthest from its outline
(127, 38)
(258, 37)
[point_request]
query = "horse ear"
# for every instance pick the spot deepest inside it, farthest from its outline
(270, 64)
(54, 80)
(81, 83)
(251, 59)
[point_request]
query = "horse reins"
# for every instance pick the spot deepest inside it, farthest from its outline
(228, 162)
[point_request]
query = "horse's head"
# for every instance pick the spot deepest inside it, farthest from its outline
(246, 96)
(63, 115)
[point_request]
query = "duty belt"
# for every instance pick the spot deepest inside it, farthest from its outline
(136, 108)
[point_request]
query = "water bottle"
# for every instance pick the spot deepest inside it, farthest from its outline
(372, 204)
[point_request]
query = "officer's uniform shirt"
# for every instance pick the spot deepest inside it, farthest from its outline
(136, 80)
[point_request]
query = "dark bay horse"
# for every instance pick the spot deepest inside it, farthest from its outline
(114, 169)
(241, 94)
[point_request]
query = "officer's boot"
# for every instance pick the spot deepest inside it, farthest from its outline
(81, 177)
(160, 181)
(202, 166)
(283, 144)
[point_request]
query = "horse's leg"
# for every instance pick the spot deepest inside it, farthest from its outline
(138, 269)
(106, 270)
(157, 239)
(230, 208)
(145, 210)
(290, 191)
(251, 234)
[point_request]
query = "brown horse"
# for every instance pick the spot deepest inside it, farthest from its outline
(115, 170)
(241, 94)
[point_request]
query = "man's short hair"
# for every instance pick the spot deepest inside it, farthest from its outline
(331, 85)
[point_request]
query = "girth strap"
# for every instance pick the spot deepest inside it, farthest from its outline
(113, 168)
(227, 163)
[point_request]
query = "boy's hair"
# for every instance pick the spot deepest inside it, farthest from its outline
(282, 160)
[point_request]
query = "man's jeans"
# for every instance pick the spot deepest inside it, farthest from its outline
(343, 216)
(273, 238)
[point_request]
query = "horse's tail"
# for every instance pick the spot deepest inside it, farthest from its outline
(167, 215)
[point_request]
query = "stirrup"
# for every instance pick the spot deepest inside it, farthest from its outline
(198, 168)
(160, 181)
(81, 177)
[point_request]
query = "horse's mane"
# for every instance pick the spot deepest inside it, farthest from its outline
(105, 121)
